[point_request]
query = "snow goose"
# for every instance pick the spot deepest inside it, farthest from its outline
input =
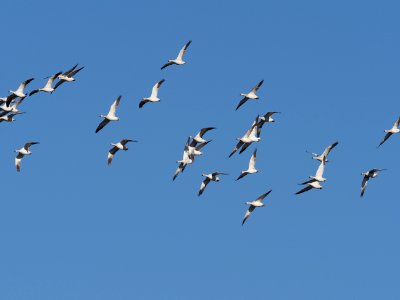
(311, 184)
(118, 146)
(253, 204)
(367, 176)
(324, 155)
(66, 77)
(22, 152)
(252, 166)
(251, 95)
(179, 60)
(110, 116)
(199, 136)
(19, 92)
(394, 129)
(13, 108)
(186, 160)
(10, 117)
(48, 87)
(249, 137)
(154, 94)
(318, 175)
(209, 177)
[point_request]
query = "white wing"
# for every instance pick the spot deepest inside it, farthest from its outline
(252, 163)
(320, 170)
(114, 106)
(156, 87)
(183, 50)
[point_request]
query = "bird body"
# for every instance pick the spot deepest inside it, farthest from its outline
(367, 176)
(324, 156)
(154, 94)
(110, 116)
(250, 95)
(253, 204)
(22, 152)
(179, 59)
(48, 87)
(208, 178)
(117, 146)
(395, 129)
(252, 166)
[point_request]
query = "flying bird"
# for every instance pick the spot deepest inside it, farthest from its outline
(10, 117)
(250, 95)
(394, 129)
(199, 136)
(154, 94)
(179, 60)
(67, 77)
(110, 116)
(19, 92)
(48, 87)
(252, 166)
(311, 184)
(21, 153)
(324, 155)
(253, 204)
(118, 146)
(186, 160)
(249, 137)
(367, 176)
(13, 108)
(208, 178)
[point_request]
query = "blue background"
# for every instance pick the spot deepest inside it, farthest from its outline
(73, 228)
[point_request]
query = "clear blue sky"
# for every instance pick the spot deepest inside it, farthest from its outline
(73, 228)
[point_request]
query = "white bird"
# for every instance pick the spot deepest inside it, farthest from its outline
(199, 136)
(253, 204)
(250, 95)
(118, 146)
(179, 60)
(22, 152)
(249, 137)
(110, 116)
(67, 76)
(19, 92)
(48, 87)
(367, 176)
(393, 130)
(252, 166)
(311, 184)
(9, 118)
(208, 178)
(324, 155)
(154, 94)
(13, 108)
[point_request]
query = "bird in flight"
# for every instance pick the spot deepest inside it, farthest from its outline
(154, 94)
(367, 176)
(393, 130)
(324, 155)
(19, 92)
(179, 59)
(199, 136)
(118, 146)
(67, 76)
(48, 87)
(252, 166)
(21, 153)
(110, 116)
(250, 95)
(249, 137)
(209, 177)
(311, 184)
(253, 204)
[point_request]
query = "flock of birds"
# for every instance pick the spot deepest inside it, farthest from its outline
(194, 145)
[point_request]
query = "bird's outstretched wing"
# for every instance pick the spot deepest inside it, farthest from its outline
(248, 212)
(183, 50)
(203, 186)
(143, 102)
(111, 154)
(241, 175)
(237, 147)
(101, 125)
(243, 101)
(255, 89)
(364, 184)
(166, 65)
(387, 135)
(18, 162)
(307, 188)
